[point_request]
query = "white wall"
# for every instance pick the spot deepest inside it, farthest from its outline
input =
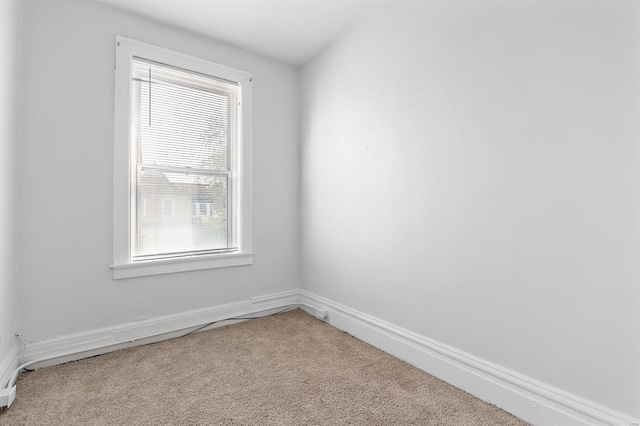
(471, 173)
(9, 52)
(66, 173)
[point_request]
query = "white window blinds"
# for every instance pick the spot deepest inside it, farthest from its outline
(184, 141)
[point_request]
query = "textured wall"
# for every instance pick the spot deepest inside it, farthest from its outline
(470, 173)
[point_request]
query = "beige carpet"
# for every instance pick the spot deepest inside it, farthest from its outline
(287, 369)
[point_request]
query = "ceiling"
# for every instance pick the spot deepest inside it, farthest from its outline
(292, 31)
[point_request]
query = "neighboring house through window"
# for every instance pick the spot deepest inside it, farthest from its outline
(183, 163)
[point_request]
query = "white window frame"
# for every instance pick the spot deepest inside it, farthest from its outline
(123, 267)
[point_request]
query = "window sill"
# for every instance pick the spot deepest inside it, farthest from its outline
(170, 266)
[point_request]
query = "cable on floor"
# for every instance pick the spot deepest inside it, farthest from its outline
(14, 377)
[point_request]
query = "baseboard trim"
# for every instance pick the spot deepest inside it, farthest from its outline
(76, 346)
(8, 365)
(525, 397)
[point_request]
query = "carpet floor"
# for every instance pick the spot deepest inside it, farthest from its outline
(286, 369)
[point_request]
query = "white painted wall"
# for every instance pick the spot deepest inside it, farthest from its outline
(9, 65)
(66, 173)
(471, 173)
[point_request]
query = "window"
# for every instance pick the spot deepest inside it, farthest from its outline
(167, 210)
(202, 209)
(182, 163)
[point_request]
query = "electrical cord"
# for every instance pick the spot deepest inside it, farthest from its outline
(233, 319)
(21, 367)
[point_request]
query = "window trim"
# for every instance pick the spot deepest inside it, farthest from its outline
(123, 267)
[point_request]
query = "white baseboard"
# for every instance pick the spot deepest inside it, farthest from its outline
(76, 346)
(8, 365)
(525, 397)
